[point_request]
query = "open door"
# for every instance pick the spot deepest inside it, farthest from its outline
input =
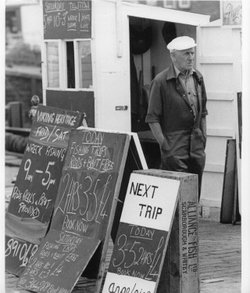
(148, 57)
(150, 29)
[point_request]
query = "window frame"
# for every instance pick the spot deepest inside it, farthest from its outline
(62, 51)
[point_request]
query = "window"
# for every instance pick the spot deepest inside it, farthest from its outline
(13, 24)
(52, 53)
(169, 4)
(69, 64)
(185, 4)
(85, 63)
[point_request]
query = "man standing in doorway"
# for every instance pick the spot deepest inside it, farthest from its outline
(177, 111)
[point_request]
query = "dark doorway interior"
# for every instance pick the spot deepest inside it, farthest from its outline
(148, 56)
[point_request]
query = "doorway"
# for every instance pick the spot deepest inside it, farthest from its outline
(148, 57)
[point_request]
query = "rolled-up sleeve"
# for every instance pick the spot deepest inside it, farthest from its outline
(154, 112)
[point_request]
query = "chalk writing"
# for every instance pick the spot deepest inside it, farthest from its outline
(20, 249)
(83, 202)
(81, 215)
(42, 286)
(76, 149)
(141, 240)
(90, 153)
(138, 252)
(56, 118)
(69, 19)
(141, 232)
(48, 270)
(30, 203)
(92, 137)
(34, 149)
(35, 190)
(53, 6)
(45, 133)
(53, 255)
(87, 184)
(34, 194)
(55, 152)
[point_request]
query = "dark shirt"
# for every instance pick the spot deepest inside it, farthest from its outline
(187, 82)
(169, 104)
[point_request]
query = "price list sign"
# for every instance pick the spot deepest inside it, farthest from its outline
(143, 234)
(84, 208)
(88, 183)
(38, 178)
(34, 193)
(67, 19)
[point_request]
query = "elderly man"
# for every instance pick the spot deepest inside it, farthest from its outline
(177, 111)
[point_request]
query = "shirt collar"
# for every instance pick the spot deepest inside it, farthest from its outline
(178, 72)
(171, 73)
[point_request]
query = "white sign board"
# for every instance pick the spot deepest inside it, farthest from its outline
(150, 201)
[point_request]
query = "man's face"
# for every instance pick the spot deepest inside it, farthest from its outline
(184, 59)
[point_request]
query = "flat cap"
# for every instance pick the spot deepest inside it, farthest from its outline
(181, 43)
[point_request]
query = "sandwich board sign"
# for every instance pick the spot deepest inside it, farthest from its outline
(143, 234)
(95, 168)
(34, 193)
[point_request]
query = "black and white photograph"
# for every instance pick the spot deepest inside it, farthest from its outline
(125, 165)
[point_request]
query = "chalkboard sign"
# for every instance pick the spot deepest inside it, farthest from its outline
(86, 201)
(18, 251)
(34, 193)
(88, 183)
(64, 19)
(143, 234)
(35, 190)
(48, 270)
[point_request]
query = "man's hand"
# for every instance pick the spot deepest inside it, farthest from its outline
(157, 132)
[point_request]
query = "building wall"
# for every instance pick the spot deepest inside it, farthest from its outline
(32, 24)
(24, 23)
(111, 73)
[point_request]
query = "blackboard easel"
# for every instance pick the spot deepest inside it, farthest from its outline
(90, 196)
(34, 193)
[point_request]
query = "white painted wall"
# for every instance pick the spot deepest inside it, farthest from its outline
(111, 73)
(32, 24)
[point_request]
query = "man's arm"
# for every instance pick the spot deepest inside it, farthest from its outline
(157, 132)
(204, 127)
